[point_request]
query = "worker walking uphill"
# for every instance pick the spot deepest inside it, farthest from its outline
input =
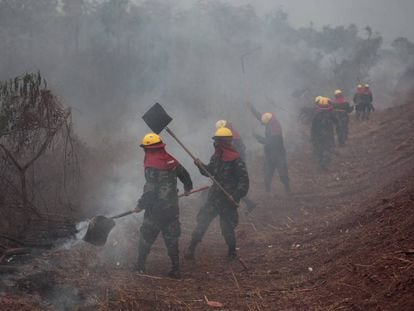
(322, 131)
(160, 201)
(363, 102)
(230, 171)
(274, 149)
(341, 108)
(366, 99)
(241, 149)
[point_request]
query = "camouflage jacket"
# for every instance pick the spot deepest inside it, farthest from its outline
(231, 175)
(273, 144)
(160, 190)
(323, 126)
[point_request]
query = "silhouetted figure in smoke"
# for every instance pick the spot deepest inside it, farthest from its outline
(322, 131)
(341, 108)
(160, 202)
(363, 99)
(230, 171)
(241, 149)
(274, 149)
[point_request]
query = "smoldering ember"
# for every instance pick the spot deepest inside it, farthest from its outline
(214, 154)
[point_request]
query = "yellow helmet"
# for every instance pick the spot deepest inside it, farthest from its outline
(317, 99)
(323, 101)
(220, 124)
(366, 86)
(151, 139)
(338, 91)
(223, 132)
(266, 117)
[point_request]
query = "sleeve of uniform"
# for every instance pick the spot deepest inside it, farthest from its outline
(256, 113)
(260, 139)
(184, 177)
(242, 181)
(208, 167)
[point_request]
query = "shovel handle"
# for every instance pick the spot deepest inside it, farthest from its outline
(194, 191)
(137, 211)
(124, 214)
(203, 168)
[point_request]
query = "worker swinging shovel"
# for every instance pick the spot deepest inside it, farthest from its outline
(157, 119)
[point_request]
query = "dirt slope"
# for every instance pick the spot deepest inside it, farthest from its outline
(344, 241)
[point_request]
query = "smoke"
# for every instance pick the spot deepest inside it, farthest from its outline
(203, 61)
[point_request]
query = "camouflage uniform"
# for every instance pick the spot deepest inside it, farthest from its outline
(241, 149)
(160, 201)
(234, 178)
(275, 156)
(322, 136)
(341, 113)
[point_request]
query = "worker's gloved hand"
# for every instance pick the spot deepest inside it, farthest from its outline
(198, 163)
(187, 193)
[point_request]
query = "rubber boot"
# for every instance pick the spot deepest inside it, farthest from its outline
(175, 272)
(232, 254)
(140, 265)
(189, 254)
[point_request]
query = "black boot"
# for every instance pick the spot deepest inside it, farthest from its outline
(175, 272)
(189, 254)
(232, 254)
(140, 265)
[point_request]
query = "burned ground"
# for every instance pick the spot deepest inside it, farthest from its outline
(343, 241)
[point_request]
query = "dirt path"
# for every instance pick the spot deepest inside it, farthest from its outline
(343, 242)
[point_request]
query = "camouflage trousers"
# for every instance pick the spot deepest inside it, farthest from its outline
(276, 162)
(170, 231)
(229, 218)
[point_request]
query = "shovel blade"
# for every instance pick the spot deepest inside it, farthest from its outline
(98, 230)
(157, 118)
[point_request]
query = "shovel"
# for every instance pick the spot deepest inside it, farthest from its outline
(100, 226)
(157, 119)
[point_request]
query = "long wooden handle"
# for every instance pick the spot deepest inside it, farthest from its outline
(137, 211)
(194, 191)
(203, 168)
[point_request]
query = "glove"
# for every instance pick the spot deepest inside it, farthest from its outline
(198, 163)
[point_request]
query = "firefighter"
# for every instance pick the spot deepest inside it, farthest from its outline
(366, 99)
(230, 171)
(241, 149)
(274, 149)
(341, 109)
(160, 202)
(322, 131)
(358, 101)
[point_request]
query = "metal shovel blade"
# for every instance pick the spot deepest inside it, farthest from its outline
(157, 118)
(98, 230)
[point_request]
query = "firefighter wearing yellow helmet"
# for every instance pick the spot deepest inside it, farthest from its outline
(322, 131)
(241, 149)
(274, 149)
(230, 171)
(342, 109)
(160, 202)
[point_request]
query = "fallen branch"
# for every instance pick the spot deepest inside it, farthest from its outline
(245, 267)
(27, 244)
